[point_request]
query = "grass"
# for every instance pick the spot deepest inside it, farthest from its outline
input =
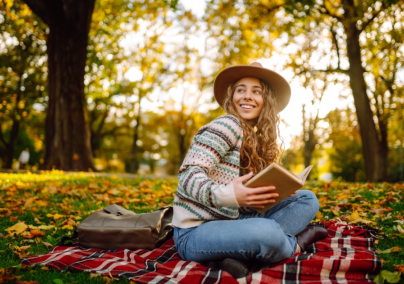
(61, 201)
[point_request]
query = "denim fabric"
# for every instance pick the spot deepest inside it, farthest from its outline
(268, 237)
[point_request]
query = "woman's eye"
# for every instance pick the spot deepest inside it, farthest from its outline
(240, 90)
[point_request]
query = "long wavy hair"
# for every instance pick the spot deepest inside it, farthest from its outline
(259, 148)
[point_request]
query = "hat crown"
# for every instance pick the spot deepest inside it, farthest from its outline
(256, 64)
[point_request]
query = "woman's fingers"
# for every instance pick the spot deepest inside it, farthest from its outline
(244, 177)
(260, 190)
(262, 197)
(260, 204)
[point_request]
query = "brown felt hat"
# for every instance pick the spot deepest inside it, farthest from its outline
(232, 74)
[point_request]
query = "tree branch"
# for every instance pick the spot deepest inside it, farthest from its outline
(336, 70)
(323, 10)
(334, 36)
(365, 24)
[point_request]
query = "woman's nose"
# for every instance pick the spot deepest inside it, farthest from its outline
(247, 94)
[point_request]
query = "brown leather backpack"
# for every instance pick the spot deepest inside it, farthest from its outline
(115, 227)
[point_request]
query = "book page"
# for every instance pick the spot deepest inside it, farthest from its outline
(305, 173)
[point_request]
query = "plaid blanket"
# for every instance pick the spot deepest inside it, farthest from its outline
(346, 256)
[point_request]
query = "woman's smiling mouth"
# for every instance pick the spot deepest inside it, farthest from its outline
(247, 107)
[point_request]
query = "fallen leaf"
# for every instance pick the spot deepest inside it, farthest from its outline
(377, 211)
(94, 275)
(354, 216)
(390, 250)
(399, 267)
(41, 203)
(14, 218)
(36, 220)
(17, 228)
(42, 227)
(29, 201)
(45, 268)
(391, 277)
(69, 227)
(48, 245)
(26, 282)
(401, 230)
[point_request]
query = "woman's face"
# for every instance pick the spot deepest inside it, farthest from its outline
(248, 99)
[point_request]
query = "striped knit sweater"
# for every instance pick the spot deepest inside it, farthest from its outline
(205, 189)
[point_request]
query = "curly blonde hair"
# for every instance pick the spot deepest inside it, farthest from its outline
(260, 146)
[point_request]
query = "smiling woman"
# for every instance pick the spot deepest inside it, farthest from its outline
(248, 99)
(213, 219)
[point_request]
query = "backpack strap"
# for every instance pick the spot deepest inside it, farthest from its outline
(66, 238)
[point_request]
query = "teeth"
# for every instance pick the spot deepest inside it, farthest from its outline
(246, 106)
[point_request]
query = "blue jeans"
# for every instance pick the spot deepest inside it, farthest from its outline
(268, 237)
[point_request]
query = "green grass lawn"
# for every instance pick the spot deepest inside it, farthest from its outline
(58, 202)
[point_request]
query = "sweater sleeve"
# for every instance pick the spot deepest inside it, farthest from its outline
(209, 146)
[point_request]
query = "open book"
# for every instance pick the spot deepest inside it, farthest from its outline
(285, 182)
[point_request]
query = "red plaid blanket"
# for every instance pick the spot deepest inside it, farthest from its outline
(346, 256)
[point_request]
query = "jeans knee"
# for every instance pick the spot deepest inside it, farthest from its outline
(270, 234)
(311, 199)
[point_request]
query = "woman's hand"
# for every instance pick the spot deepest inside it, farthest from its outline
(253, 197)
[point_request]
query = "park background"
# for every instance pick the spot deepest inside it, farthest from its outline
(97, 88)
(123, 85)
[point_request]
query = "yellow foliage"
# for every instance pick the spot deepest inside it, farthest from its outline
(17, 228)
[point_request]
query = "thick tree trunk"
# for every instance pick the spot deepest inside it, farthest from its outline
(372, 152)
(67, 134)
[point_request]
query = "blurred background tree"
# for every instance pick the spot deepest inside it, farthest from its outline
(23, 83)
(145, 81)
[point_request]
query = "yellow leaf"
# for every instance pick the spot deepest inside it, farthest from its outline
(57, 216)
(45, 268)
(342, 196)
(69, 227)
(395, 249)
(21, 185)
(94, 275)
(41, 203)
(49, 215)
(17, 228)
(42, 227)
(354, 216)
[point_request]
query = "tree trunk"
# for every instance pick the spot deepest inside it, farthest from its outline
(134, 164)
(372, 153)
(67, 135)
(10, 145)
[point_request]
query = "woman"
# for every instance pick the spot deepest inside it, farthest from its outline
(213, 218)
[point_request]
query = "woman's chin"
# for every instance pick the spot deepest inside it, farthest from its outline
(249, 119)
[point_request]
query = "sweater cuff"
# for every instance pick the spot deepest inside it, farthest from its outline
(225, 196)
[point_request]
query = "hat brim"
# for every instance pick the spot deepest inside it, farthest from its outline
(230, 75)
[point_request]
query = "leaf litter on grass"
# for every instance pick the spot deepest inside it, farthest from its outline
(37, 210)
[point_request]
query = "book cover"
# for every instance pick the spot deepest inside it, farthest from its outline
(285, 182)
